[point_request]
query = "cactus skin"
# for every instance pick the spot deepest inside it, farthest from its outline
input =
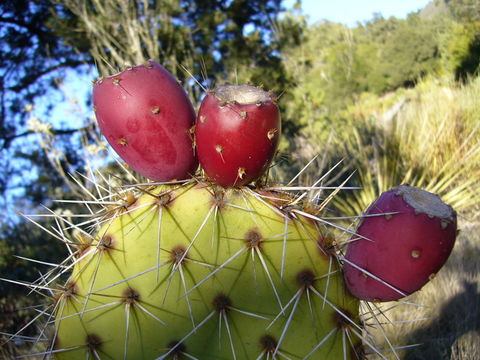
(237, 133)
(126, 299)
(405, 249)
(146, 117)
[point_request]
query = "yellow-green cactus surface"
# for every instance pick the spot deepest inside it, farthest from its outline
(195, 272)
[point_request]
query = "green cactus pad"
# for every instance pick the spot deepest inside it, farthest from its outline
(196, 272)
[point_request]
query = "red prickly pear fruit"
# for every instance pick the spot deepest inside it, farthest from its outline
(237, 133)
(400, 250)
(146, 116)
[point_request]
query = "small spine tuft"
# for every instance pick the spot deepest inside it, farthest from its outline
(306, 278)
(93, 342)
(221, 303)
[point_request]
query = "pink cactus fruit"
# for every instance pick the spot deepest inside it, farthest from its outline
(237, 133)
(394, 254)
(146, 116)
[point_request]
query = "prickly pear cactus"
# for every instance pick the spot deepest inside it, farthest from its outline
(194, 271)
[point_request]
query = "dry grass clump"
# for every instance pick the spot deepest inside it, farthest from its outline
(429, 137)
(432, 141)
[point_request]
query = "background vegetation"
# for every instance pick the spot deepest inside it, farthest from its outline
(397, 100)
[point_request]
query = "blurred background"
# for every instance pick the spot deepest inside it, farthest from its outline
(389, 88)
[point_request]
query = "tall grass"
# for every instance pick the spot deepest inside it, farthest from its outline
(431, 141)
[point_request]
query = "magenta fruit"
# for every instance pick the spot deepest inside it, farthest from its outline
(146, 116)
(401, 249)
(237, 133)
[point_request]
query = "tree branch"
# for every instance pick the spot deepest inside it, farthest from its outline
(30, 27)
(8, 139)
(27, 81)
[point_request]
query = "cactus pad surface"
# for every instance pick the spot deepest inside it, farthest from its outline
(194, 271)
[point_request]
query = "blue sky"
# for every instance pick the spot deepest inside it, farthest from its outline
(350, 11)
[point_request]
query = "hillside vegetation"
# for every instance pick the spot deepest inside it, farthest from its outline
(397, 100)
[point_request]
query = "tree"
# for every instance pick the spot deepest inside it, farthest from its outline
(35, 54)
(461, 49)
(464, 10)
(412, 53)
(204, 37)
